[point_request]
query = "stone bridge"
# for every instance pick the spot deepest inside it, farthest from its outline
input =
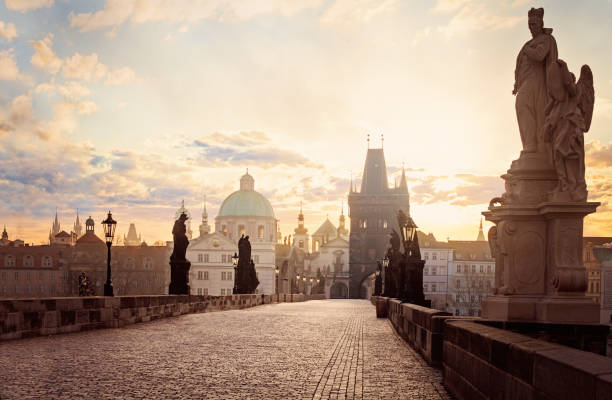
(317, 349)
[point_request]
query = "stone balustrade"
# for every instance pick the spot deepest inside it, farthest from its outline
(23, 318)
(481, 361)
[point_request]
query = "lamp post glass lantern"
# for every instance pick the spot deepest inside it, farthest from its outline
(109, 225)
(409, 229)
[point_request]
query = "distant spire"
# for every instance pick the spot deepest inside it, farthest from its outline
(204, 213)
(368, 140)
(481, 237)
(342, 208)
(403, 183)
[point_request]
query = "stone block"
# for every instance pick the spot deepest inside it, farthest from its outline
(459, 387)
(95, 316)
(127, 302)
(67, 318)
(50, 304)
(51, 319)
(520, 357)
(82, 316)
(603, 387)
(569, 374)
(93, 302)
(33, 320)
(69, 303)
(125, 313)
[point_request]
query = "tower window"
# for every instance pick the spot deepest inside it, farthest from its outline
(241, 230)
(260, 232)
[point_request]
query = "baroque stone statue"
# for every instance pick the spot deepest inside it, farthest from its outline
(179, 265)
(179, 234)
(568, 117)
(531, 85)
(537, 237)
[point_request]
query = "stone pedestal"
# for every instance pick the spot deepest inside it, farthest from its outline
(537, 245)
(179, 277)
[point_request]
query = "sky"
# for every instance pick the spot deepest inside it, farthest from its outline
(132, 106)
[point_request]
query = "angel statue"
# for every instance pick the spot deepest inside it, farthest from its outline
(568, 117)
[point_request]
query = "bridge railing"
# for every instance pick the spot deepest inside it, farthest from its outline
(22, 318)
(480, 361)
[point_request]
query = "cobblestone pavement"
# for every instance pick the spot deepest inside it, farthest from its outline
(314, 350)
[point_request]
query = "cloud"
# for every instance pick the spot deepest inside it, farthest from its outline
(26, 5)
(120, 76)
(87, 68)
(21, 109)
(44, 57)
(360, 11)
(5, 128)
(8, 31)
(246, 148)
(603, 108)
(468, 16)
(87, 107)
(458, 189)
(9, 71)
(117, 12)
(598, 155)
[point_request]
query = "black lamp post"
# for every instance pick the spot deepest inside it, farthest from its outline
(235, 263)
(297, 284)
(109, 233)
(409, 229)
(385, 276)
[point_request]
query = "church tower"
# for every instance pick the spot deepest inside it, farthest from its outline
(481, 237)
(204, 227)
(373, 213)
(300, 237)
(55, 228)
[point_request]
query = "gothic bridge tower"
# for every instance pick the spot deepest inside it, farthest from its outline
(373, 211)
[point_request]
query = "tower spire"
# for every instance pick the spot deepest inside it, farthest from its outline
(368, 140)
(481, 237)
(382, 141)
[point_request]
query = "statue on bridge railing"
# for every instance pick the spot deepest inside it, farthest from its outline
(179, 265)
(246, 281)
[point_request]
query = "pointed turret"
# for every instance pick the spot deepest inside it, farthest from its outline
(374, 180)
(55, 229)
(4, 234)
(481, 237)
(204, 227)
(403, 186)
(342, 231)
(77, 228)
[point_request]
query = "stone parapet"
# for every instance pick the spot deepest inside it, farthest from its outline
(483, 362)
(23, 318)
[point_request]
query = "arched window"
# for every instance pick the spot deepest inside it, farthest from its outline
(28, 261)
(47, 261)
(9, 261)
(260, 232)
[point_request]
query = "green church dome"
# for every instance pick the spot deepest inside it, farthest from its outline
(246, 202)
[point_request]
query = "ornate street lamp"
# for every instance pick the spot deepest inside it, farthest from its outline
(409, 229)
(235, 264)
(385, 262)
(297, 284)
(109, 233)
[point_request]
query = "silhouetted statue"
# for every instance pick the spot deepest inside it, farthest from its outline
(179, 234)
(531, 85)
(246, 275)
(179, 265)
(569, 116)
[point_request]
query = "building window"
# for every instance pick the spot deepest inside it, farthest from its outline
(434, 271)
(433, 287)
(425, 287)
(27, 275)
(458, 283)
(47, 261)
(426, 271)
(206, 257)
(256, 259)
(200, 275)
(40, 275)
(482, 269)
(16, 276)
(458, 268)
(224, 229)
(3, 289)
(28, 288)
(226, 276)
(205, 291)
(260, 232)
(241, 230)
(385, 224)
(28, 261)
(9, 261)
(434, 256)
(473, 268)
(480, 284)
(3, 275)
(52, 289)
(472, 299)
(301, 244)
(488, 284)
(223, 258)
(200, 257)
(42, 289)
(426, 256)
(199, 291)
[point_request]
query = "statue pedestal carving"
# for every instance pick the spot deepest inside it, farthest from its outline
(537, 245)
(179, 277)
